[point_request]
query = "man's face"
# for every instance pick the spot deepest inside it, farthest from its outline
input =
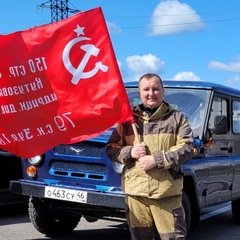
(151, 92)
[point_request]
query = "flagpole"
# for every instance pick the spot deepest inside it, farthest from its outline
(135, 133)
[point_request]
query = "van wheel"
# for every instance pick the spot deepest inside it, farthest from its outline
(236, 210)
(187, 210)
(49, 221)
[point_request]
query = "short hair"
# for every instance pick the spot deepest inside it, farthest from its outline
(148, 76)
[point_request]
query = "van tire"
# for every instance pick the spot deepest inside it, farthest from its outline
(236, 210)
(48, 221)
(187, 210)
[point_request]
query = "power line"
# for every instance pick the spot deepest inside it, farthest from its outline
(60, 10)
(178, 14)
(173, 24)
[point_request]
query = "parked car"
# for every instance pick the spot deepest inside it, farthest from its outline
(78, 180)
(10, 169)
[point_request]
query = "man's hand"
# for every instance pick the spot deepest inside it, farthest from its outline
(138, 150)
(147, 162)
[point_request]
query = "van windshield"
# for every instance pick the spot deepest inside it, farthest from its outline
(192, 102)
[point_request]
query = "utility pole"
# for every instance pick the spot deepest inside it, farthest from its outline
(59, 9)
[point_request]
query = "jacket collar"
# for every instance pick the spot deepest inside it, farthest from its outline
(158, 113)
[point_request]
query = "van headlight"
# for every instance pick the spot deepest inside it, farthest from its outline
(118, 167)
(35, 160)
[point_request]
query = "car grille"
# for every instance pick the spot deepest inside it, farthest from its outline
(81, 149)
(82, 168)
(79, 169)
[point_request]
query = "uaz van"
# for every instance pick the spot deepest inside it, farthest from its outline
(73, 181)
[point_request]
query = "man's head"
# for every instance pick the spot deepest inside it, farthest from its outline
(151, 91)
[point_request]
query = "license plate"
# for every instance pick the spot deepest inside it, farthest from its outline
(65, 194)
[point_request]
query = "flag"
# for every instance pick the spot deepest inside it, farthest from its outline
(59, 84)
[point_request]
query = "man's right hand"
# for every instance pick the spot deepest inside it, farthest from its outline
(138, 150)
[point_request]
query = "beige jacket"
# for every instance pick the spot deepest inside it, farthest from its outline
(169, 139)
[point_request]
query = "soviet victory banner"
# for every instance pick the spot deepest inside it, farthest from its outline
(59, 83)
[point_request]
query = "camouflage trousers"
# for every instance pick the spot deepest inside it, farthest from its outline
(166, 215)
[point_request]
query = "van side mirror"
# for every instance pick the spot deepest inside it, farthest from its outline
(220, 124)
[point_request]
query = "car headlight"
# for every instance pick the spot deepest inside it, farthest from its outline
(118, 167)
(35, 160)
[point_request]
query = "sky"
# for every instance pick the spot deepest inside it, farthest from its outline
(179, 40)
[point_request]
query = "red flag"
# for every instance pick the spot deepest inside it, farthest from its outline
(59, 83)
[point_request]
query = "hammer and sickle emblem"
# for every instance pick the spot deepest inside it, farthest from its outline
(78, 73)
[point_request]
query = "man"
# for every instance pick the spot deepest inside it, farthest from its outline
(152, 179)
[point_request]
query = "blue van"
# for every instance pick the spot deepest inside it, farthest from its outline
(78, 180)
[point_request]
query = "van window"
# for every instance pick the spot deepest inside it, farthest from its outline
(192, 102)
(236, 116)
(219, 107)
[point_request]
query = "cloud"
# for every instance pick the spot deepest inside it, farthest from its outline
(122, 70)
(146, 63)
(113, 28)
(186, 76)
(231, 67)
(233, 81)
(140, 65)
(171, 16)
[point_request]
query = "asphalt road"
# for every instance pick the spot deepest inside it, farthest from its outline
(216, 224)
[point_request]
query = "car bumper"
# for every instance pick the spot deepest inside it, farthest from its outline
(94, 198)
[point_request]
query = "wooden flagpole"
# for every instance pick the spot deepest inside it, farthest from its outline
(135, 133)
